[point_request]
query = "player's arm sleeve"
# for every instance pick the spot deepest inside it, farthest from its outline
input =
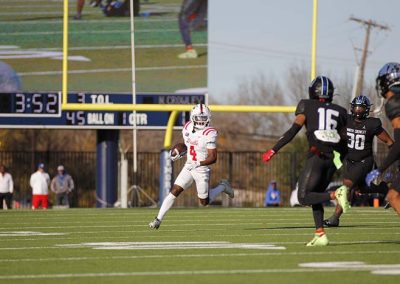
(211, 139)
(293, 130)
(394, 152)
(378, 127)
(287, 137)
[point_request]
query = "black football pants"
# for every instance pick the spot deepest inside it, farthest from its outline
(313, 181)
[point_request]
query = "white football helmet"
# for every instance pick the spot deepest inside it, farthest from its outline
(200, 116)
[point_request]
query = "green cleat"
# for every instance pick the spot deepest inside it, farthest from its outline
(318, 241)
(188, 54)
(341, 196)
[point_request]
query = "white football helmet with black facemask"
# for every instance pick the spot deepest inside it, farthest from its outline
(200, 116)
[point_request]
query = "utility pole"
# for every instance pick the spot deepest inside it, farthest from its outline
(368, 24)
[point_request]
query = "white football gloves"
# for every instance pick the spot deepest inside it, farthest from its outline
(192, 165)
(177, 155)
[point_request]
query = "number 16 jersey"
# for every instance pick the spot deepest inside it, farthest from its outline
(322, 116)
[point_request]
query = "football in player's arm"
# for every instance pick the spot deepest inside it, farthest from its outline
(325, 122)
(388, 86)
(361, 131)
(201, 146)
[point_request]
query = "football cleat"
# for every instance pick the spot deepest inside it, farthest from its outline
(155, 224)
(228, 188)
(387, 205)
(318, 241)
(341, 196)
(333, 221)
(188, 54)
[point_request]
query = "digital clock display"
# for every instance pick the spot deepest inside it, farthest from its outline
(30, 104)
(43, 110)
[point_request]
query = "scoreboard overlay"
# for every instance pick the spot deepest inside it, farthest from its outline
(43, 110)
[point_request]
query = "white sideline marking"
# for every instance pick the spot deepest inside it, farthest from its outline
(383, 269)
(84, 258)
(163, 68)
(109, 47)
(15, 53)
(84, 21)
(8, 47)
(88, 32)
(170, 245)
(28, 233)
(217, 225)
(164, 273)
(58, 13)
(270, 243)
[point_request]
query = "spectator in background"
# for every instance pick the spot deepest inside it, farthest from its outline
(62, 185)
(192, 16)
(40, 181)
(6, 187)
(272, 195)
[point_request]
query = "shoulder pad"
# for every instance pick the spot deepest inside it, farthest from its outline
(301, 107)
(209, 130)
(392, 107)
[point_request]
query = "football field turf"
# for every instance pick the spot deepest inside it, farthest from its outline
(201, 245)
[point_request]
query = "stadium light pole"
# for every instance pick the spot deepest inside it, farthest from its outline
(314, 40)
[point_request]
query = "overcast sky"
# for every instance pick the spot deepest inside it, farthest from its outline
(268, 36)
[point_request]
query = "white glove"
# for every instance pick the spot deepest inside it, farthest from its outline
(177, 155)
(192, 165)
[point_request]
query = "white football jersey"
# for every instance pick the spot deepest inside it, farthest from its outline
(198, 141)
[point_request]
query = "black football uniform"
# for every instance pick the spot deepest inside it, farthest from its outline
(392, 109)
(319, 168)
(359, 159)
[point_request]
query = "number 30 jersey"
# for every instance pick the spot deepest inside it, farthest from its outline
(360, 136)
(321, 116)
(198, 141)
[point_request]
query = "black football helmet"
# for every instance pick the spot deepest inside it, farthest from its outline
(388, 77)
(321, 88)
(360, 107)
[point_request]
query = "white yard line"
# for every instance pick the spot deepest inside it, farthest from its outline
(219, 223)
(85, 258)
(84, 21)
(87, 32)
(109, 47)
(173, 273)
(59, 13)
(138, 69)
(270, 243)
(200, 220)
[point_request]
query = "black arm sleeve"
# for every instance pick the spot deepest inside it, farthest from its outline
(287, 137)
(394, 152)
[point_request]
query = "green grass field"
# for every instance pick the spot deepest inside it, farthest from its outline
(204, 245)
(31, 42)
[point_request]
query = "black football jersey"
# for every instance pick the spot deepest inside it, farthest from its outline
(392, 107)
(360, 136)
(322, 116)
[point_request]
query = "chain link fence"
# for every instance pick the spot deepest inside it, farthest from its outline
(248, 175)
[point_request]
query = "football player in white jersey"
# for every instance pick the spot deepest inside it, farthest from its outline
(200, 140)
